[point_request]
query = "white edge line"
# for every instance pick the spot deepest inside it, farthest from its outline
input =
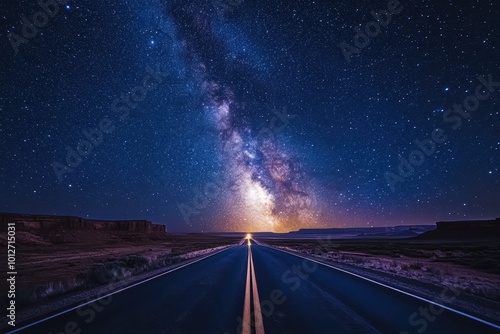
(390, 287)
(117, 291)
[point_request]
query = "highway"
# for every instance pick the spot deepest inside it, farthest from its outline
(252, 288)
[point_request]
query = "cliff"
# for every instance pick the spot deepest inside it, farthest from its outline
(466, 229)
(25, 222)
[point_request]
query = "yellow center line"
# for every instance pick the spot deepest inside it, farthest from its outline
(247, 322)
(259, 324)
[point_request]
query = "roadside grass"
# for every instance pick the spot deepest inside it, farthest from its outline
(101, 273)
(482, 257)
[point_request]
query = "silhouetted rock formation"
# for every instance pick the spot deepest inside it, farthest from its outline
(466, 229)
(26, 222)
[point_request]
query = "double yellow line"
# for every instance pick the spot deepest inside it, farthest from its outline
(251, 294)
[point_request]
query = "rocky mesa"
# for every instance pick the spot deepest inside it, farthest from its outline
(26, 222)
(465, 230)
(47, 229)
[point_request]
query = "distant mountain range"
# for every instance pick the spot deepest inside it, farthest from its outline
(453, 230)
(407, 231)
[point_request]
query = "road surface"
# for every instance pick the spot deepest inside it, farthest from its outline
(252, 288)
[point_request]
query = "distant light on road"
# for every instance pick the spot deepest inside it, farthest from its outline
(249, 236)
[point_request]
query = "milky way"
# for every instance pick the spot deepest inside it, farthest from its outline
(270, 191)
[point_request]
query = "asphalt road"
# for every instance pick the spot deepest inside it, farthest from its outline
(262, 291)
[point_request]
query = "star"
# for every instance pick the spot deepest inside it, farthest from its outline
(251, 120)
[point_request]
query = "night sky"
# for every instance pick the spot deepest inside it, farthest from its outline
(250, 114)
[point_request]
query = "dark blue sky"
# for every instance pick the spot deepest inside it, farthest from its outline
(248, 116)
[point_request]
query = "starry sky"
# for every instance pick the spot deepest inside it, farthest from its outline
(253, 115)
